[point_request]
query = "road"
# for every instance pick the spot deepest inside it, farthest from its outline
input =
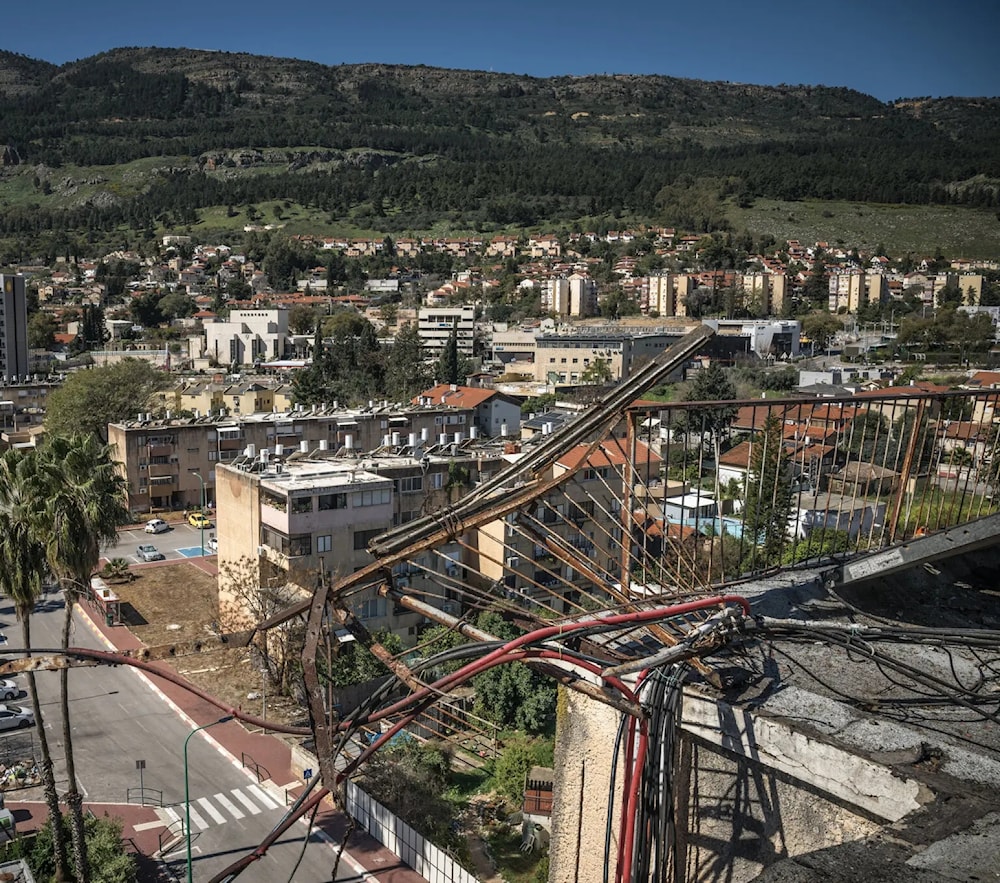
(181, 541)
(117, 719)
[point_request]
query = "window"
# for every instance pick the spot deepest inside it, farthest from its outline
(373, 498)
(410, 485)
(332, 501)
(436, 480)
(323, 543)
(300, 545)
(301, 505)
(363, 537)
(371, 608)
(213, 456)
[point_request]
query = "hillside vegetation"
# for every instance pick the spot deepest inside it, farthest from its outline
(144, 139)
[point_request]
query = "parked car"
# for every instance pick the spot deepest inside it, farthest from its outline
(149, 553)
(156, 525)
(213, 543)
(9, 689)
(14, 717)
(199, 519)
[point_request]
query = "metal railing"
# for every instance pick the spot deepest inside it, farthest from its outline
(173, 833)
(144, 796)
(671, 498)
(260, 771)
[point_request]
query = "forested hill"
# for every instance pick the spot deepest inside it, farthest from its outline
(413, 143)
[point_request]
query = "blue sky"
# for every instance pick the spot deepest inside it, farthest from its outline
(887, 48)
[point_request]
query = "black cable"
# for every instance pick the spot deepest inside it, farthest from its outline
(613, 779)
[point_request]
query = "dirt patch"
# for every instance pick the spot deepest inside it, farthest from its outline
(174, 603)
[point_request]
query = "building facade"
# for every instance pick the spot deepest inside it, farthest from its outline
(13, 328)
(435, 324)
(248, 336)
(162, 459)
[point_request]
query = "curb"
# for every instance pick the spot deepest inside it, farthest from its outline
(274, 790)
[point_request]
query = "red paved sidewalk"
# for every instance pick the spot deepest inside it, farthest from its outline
(272, 756)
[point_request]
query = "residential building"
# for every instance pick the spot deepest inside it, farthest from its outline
(666, 294)
(585, 513)
(435, 324)
(574, 296)
(292, 518)
(161, 459)
(13, 327)
(493, 413)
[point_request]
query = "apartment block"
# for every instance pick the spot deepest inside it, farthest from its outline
(13, 328)
(584, 513)
(162, 459)
(289, 520)
(435, 324)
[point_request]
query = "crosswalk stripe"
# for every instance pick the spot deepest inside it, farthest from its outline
(229, 806)
(196, 818)
(246, 801)
(171, 814)
(263, 797)
(217, 816)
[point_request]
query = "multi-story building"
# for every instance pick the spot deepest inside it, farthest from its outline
(572, 296)
(495, 413)
(435, 324)
(248, 336)
(165, 461)
(13, 327)
(664, 294)
(289, 520)
(766, 337)
(584, 513)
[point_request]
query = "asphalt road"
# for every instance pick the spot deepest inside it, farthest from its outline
(181, 541)
(117, 719)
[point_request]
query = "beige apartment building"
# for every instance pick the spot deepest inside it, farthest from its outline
(165, 461)
(584, 513)
(291, 519)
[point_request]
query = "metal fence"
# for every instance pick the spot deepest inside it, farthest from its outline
(669, 499)
(432, 863)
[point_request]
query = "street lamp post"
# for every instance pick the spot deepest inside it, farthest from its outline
(201, 481)
(187, 791)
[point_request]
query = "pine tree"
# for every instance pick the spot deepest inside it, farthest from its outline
(449, 364)
(406, 375)
(768, 504)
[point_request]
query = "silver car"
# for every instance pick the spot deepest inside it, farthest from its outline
(15, 717)
(9, 690)
(149, 553)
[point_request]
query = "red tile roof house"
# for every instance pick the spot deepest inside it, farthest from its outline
(496, 413)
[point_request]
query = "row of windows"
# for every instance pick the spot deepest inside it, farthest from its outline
(304, 504)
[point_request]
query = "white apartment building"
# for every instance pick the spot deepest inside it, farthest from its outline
(248, 336)
(13, 327)
(574, 296)
(434, 326)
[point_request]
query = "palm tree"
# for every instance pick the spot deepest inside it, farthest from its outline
(22, 574)
(84, 504)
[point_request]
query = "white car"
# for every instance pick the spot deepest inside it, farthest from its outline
(15, 717)
(156, 525)
(9, 690)
(213, 544)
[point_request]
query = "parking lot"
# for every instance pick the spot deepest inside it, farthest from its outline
(181, 541)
